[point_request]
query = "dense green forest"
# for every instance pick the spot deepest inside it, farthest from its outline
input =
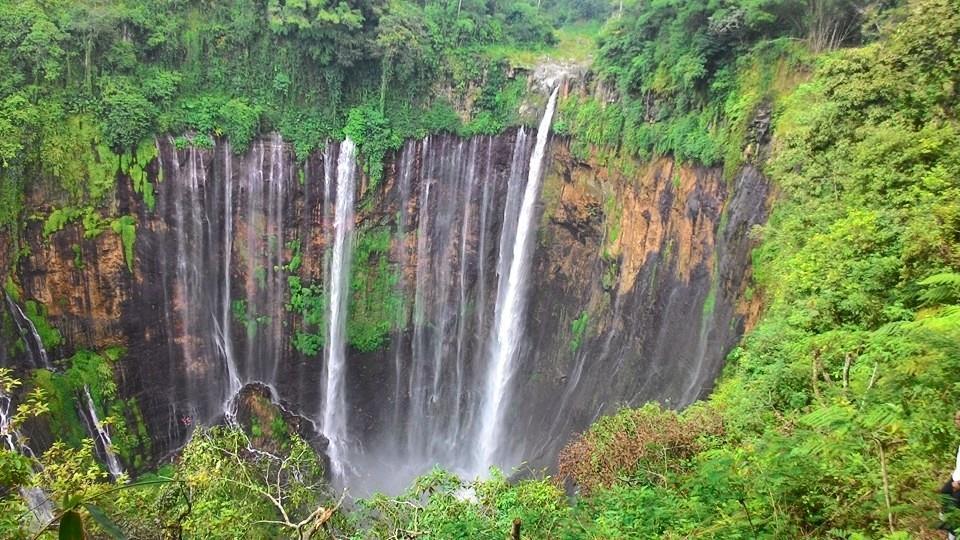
(834, 415)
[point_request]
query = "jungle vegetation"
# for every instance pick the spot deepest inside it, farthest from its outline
(833, 418)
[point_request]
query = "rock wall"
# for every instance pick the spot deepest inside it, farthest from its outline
(638, 287)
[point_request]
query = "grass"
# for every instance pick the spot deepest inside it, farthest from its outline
(576, 43)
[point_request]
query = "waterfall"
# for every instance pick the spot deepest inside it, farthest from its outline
(103, 437)
(31, 337)
(463, 215)
(509, 315)
(223, 335)
(335, 404)
(448, 230)
(416, 381)
(228, 236)
(263, 207)
(188, 218)
(38, 502)
(463, 300)
(407, 160)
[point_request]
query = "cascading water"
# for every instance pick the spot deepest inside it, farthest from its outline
(464, 205)
(464, 223)
(219, 218)
(28, 331)
(335, 403)
(226, 229)
(509, 314)
(223, 334)
(407, 159)
(105, 444)
(446, 205)
(37, 501)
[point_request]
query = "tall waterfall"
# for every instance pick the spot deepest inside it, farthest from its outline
(510, 310)
(223, 335)
(228, 240)
(465, 220)
(335, 403)
(247, 273)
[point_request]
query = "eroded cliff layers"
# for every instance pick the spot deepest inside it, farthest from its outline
(397, 316)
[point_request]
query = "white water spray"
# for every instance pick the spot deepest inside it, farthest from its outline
(335, 403)
(38, 502)
(103, 435)
(224, 338)
(26, 327)
(509, 317)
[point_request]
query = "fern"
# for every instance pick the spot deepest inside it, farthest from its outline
(942, 288)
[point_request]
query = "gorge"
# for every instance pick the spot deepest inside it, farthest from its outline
(466, 377)
(433, 270)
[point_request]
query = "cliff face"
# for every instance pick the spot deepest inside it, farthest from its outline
(654, 265)
(636, 292)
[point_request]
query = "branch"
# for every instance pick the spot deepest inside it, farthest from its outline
(814, 368)
(886, 484)
(846, 370)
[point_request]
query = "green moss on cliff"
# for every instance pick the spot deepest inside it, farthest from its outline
(126, 227)
(134, 165)
(37, 313)
(92, 371)
(309, 301)
(376, 304)
(578, 329)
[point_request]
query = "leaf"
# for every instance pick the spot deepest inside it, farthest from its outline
(940, 288)
(71, 526)
(104, 522)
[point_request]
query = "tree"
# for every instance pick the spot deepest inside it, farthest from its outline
(404, 45)
(332, 30)
(237, 486)
(127, 116)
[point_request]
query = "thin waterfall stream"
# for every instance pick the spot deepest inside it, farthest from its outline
(508, 330)
(335, 405)
(38, 502)
(102, 437)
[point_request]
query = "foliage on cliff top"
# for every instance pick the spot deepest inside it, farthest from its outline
(689, 76)
(84, 80)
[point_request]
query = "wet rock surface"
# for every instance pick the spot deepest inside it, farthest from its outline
(652, 262)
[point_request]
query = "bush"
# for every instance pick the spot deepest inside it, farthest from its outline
(648, 445)
(370, 130)
(127, 117)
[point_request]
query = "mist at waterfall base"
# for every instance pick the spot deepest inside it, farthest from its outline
(479, 372)
(451, 382)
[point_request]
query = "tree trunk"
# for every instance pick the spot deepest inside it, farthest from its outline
(87, 59)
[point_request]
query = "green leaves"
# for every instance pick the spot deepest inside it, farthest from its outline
(105, 523)
(126, 227)
(376, 304)
(71, 526)
(941, 288)
(127, 116)
(371, 131)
